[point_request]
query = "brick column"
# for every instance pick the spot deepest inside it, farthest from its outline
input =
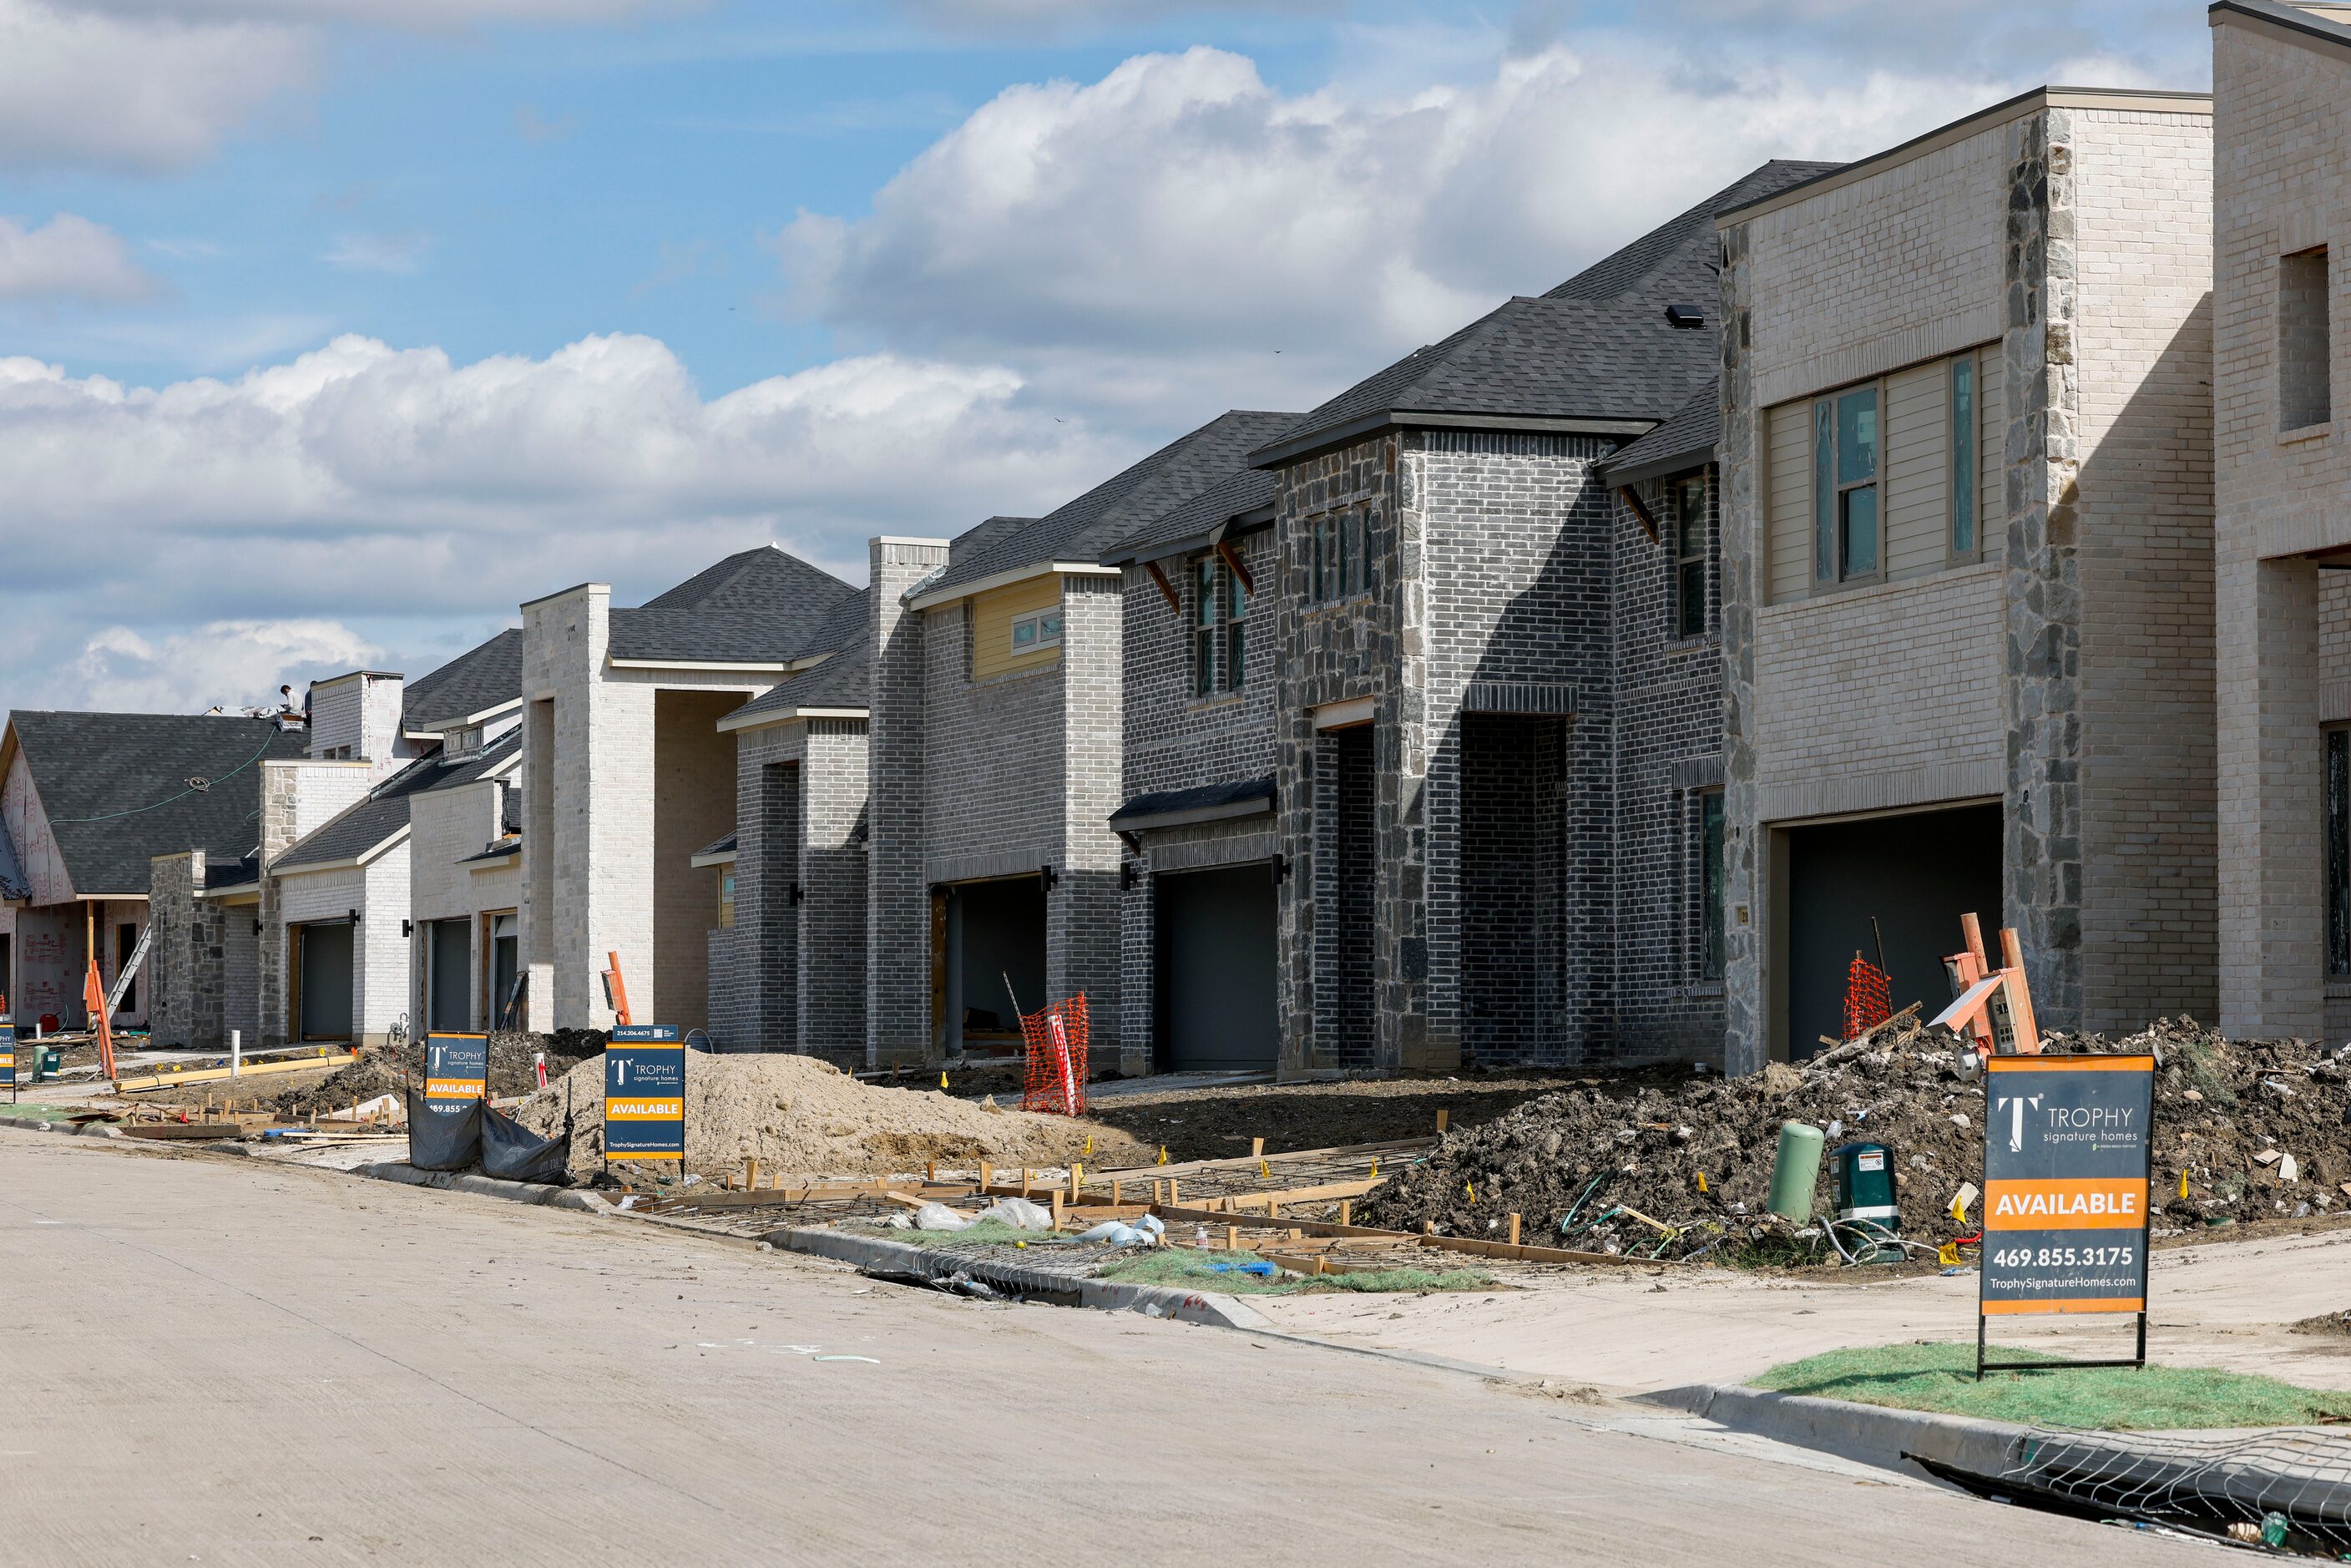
(832, 882)
(898, 904)
(1082, 912)
(2272, 892)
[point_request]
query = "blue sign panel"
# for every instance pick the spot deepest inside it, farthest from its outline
(644, 1094)
(457, 1069)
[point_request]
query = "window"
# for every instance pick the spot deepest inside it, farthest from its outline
(1370, 518)
(1845, 488)
(1036, 631)
(462, 742)
(2338, 852)
(1689, 557)
(2304, 350)
(726, 898)
(1219, 627)
(1317, 585)
(126, 942)
(1710, 826)
(1204, 625)
(1963, 457)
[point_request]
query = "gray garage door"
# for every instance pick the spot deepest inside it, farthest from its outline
(1217, 970)
(451, 976)
(326, 982)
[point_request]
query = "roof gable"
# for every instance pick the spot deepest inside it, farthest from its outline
(476, 681)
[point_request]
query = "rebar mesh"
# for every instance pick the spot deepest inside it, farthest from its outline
(2296, 1481)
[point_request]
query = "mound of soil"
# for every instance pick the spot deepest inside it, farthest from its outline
(387, 1069)
(801, 1115)
(2220, 1105)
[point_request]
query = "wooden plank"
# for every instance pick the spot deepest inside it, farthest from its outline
(222, 1074)
(1249, 1162)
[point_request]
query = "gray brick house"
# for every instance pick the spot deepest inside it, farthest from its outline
(994, 759)
(1480, 865)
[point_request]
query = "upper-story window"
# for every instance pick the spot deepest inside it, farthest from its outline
(1341, 567)
(1690, 557)
(2304, 373)
(1036, 631)
(1844, 487)
(1219, 627)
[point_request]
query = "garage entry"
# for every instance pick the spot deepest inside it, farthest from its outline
(1216, 970)
(322, 969)
(1917, 873)
(449, 977)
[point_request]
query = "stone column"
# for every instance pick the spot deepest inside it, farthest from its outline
(898, 904)
(1746, 883)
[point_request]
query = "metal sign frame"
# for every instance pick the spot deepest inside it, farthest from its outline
(2084, 1149)
(655, 1055)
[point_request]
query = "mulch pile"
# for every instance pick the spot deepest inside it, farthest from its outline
(1642, 1144)
(386, 1069)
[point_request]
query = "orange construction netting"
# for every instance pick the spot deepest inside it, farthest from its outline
(1868, 997)
(1056, 1076)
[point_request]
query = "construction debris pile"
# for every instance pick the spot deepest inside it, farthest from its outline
(801, 1113)
(386, 1069)
(1682, 1168)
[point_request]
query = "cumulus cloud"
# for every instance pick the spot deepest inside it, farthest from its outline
(225, 663)
(68, 258)
(83, 89)
(361, 482)
(1180, 209)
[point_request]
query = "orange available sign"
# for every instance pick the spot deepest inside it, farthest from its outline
(2078, 1203)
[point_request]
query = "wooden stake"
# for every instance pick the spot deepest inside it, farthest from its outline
(1057, 1208)
(1026, 1175)
(931, 1172)
(1232, 1237)
(1514, 1230)
(1113, 1192)
(1344, 1206)
(1442, 1117)
(984, 1176)
(1171, 1192)
(1256, 1148)
(751, 1172)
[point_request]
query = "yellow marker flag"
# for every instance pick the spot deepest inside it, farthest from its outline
(1090, 1145)
(1701, 1181)
(1947, 1255)
(1163, 1153)
(1471, 1188)
(2183, 1184)
(1265, 1170)
(1375, 1168)
(942, 1079)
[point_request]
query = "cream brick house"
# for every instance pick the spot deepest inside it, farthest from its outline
(1967, 518)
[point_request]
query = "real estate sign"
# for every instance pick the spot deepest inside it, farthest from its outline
(2067, 1145)
(457, 1069)
(8, 1058)
(644, 1094)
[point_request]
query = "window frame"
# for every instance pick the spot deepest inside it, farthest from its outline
(1037, 618)
(1703, 559)
(1826, 463)
(1202, 631)
(1963, 449)
(1340, 545)
(2335, 828)
(1216, 629)
(1710, 838)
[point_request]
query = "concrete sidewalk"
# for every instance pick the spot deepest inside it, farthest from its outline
(2222, 1305)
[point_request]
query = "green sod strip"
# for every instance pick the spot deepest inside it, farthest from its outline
(1942, 1377)
(31, 1112)
(1189, 1267)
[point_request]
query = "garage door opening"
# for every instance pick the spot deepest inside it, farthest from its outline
(322, 968)
(1917, 873)
(995, 931)
(1216, 970)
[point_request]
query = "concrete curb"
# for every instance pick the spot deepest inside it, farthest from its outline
(1870, 1434)
(1214, 1308)
(486, 1187)
(85, 1130)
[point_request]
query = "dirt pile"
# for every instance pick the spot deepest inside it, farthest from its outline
(800, 1115)
(385, 1069)
(2229, 1114)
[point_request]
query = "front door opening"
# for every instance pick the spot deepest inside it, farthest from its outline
(323, 960)
(994, 930)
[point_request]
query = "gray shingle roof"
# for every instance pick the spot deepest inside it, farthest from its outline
(755, 608)
(1684, 442)
(1104, 516)
(1243, 494)
(474, 681)
(842, 681)
(118, 787)
(1598, 347)
(366, 825)
(725, 846)
(1202, 803)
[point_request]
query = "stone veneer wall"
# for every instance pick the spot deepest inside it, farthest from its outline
(187, 963)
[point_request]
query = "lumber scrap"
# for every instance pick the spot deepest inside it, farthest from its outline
(147, 1085)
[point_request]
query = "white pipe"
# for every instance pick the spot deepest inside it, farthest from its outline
(235, 1053)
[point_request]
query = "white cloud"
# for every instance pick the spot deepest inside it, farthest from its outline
(68, 257)
(1029, 15)
(83, 89)
(406, 14)
(401, 252)
(1183, 212)
(360, 483)
(226, 663)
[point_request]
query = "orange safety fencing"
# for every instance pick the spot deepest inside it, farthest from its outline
(1055, 1080)
(1868, 997)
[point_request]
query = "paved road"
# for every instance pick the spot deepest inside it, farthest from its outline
(208, 1360)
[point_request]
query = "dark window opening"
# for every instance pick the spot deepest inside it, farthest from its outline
(1690, 557)
(2305, 351)
(1844, 487)
(1219, 627)
(2338, 852)
(1711, 824)
(1963, 457)
(126, 942)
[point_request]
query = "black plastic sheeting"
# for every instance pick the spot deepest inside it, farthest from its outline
(511, 1152)
(443, 1137)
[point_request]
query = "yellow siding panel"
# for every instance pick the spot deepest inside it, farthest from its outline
(1788, 463)
(992, 615)
(1916, 502)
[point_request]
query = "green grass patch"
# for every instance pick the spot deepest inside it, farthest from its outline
(1942, 1377)
(25, 1108)
(986, 1233)
(1190, 1267)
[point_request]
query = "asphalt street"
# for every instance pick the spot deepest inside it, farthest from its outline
(215, 1360)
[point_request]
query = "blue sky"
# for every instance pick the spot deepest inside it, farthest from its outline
(330, 329)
